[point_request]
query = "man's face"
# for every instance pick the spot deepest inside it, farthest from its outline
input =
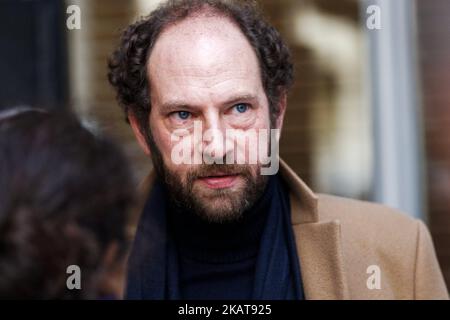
(203, 69)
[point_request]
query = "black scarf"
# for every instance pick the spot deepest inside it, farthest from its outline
(153, 264)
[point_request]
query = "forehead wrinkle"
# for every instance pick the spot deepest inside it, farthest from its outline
(214, 90)
(207, 82)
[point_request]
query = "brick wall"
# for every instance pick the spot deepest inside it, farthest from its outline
(434, 62)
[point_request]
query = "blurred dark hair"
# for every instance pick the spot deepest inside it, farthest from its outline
(127, 65)
(64, 196)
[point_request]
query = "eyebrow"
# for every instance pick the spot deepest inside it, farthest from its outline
(176, 105)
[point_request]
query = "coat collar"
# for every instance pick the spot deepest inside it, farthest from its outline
(304, 203)
(319, 243)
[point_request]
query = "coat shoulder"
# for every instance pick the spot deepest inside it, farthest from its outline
(401, 246)
(375, 235)
(372, 226)
(365, 216)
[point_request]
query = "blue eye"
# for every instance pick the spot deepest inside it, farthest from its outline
(241, 107)
(183, 114)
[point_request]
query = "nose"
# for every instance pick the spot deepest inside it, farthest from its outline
(214, 148)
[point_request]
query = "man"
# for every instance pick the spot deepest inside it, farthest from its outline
(215, 228)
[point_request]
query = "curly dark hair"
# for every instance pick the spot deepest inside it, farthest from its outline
(127, 65)
(64, 197)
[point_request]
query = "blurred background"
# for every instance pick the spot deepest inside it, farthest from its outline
(368, 116)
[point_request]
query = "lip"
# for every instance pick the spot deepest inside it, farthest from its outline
(219, 181)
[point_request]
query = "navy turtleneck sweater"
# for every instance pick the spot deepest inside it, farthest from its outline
(217, 261)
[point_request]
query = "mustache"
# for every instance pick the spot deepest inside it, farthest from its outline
(219, 170)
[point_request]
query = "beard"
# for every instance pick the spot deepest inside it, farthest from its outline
(213, 205)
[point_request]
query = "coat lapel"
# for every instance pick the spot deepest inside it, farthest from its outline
(318, 243)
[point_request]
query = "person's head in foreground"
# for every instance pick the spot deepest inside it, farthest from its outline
(64, 195)
(204, 86)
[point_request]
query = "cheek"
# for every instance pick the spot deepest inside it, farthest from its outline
(161, 137)
(263, 116)
(262, 119)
